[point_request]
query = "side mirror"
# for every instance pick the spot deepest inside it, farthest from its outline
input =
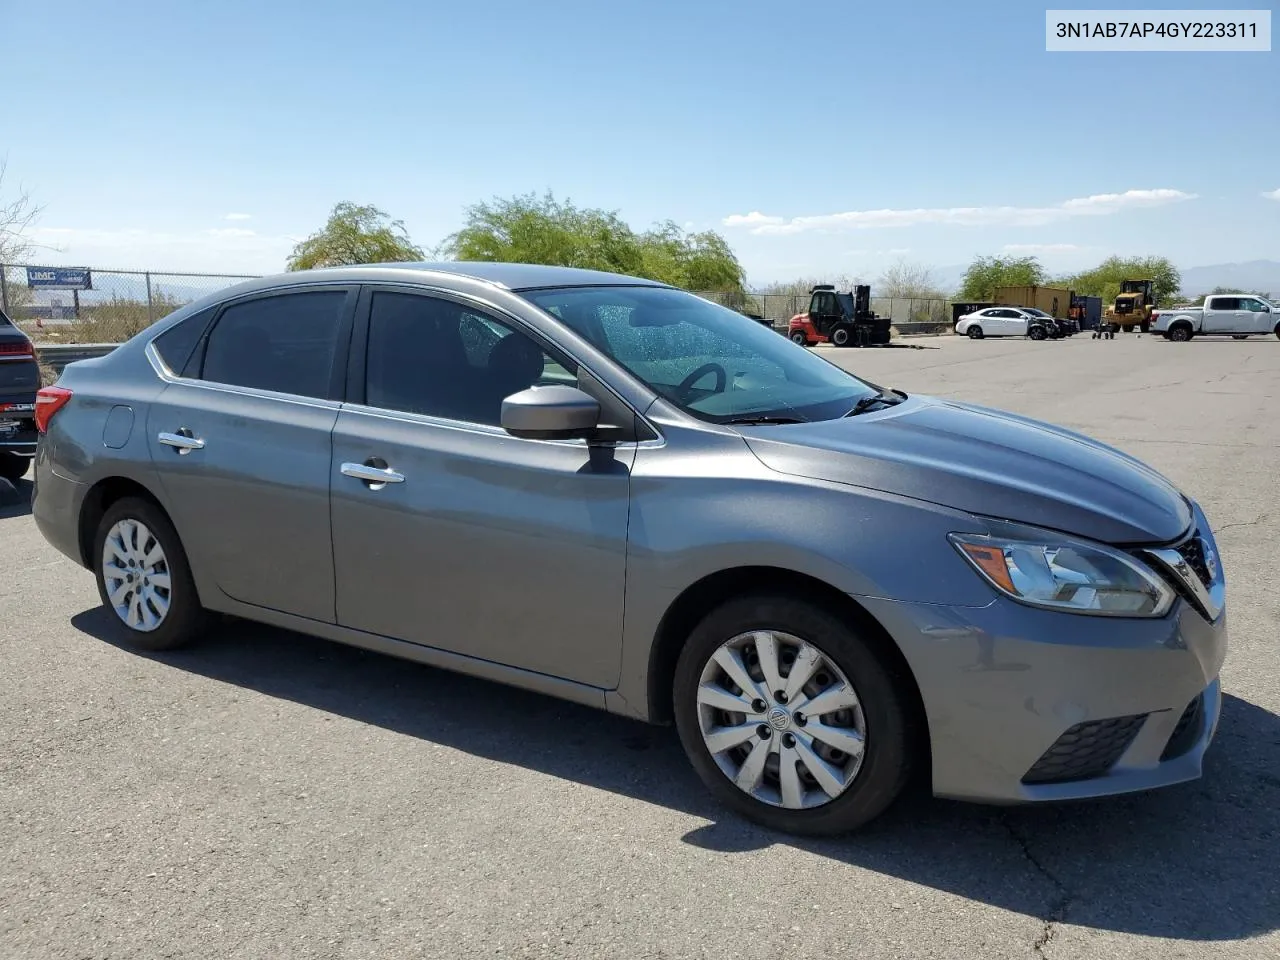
(550, 413)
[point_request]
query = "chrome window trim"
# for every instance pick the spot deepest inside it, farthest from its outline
(163, 371)
(483, 429)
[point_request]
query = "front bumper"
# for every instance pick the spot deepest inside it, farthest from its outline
(1029, 705)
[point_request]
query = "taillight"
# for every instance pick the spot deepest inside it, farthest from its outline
(49, 400)
(17, 348)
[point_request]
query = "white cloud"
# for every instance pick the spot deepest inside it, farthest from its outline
(1273, 194)
(238, 216)
(753, 219)
(1097, 205)
(1041, 247)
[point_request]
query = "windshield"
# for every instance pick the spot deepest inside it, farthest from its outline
(708, 360)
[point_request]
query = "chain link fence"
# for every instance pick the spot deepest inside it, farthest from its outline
(907, 314)
(114, 305)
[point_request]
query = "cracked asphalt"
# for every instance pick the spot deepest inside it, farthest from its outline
(270, 795)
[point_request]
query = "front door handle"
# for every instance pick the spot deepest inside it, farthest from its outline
(373, 471)
(182, 441)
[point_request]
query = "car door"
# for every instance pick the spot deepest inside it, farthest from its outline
(1221, 315)
(991, 322)
(1257, 316)
(241, 443)
(480, 543)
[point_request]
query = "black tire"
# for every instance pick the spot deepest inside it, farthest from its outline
(1240, 336)
(800, 338)
(842, 336)
(186, 619)
(1180, 333)
(1277, 331)
(13, 466)
(1037, 333)
(975, 333)
(889, 758)
(1144, 326)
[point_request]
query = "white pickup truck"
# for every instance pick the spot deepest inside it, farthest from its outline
(1235, 315)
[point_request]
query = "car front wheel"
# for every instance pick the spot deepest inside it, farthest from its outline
(975, 333)
(791, 717)
(1037, 333)
(143, 576)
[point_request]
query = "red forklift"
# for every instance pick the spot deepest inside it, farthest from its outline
(842, 319)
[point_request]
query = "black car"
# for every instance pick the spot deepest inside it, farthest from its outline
(1061, 328)
(19, 381)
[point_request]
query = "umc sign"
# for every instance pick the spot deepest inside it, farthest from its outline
(60, 278)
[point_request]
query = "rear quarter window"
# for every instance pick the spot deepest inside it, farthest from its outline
(176, 344)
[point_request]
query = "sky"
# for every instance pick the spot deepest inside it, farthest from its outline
(819, 138)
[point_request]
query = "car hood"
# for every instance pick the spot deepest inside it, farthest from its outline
(985, 462)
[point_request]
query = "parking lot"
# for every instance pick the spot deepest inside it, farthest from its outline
(267, 795)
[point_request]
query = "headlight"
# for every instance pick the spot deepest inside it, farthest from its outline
(1068, 575)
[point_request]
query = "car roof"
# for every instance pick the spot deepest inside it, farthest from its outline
(513, 276)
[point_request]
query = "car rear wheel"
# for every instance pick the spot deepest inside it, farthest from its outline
(144, 578)
(13, 466)
(1180, 334)
(791, 717)
(800, 338)
(975, 333)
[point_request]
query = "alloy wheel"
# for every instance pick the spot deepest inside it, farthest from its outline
(136, 575)
(781, 720)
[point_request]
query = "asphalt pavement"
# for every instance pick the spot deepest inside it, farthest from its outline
(268, 795)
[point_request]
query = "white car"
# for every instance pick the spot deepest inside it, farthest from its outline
(1004, 322)
(1236, 315)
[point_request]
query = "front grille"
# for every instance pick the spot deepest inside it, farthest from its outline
(1187, 732)
(1087, 750)
(1192, 551)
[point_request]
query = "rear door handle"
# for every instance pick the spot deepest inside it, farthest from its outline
(182, 441)
(373, 471)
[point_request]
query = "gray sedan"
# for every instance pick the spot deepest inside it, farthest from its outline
(612, 491)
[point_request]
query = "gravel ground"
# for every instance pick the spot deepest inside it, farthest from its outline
(266, 795)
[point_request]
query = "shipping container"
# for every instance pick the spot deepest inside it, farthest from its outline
(1052, 300)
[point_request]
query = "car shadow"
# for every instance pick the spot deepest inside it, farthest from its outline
(1192, 862)
(15, 498)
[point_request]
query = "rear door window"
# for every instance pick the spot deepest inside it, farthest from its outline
(1224, 303)
(287, 343)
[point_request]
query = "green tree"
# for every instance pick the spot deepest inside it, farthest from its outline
(355, 234)
(532, 229)
(1104, 279)
(987, 274)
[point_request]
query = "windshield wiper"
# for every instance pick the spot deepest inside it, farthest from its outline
(866, 403)
(754, 421)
